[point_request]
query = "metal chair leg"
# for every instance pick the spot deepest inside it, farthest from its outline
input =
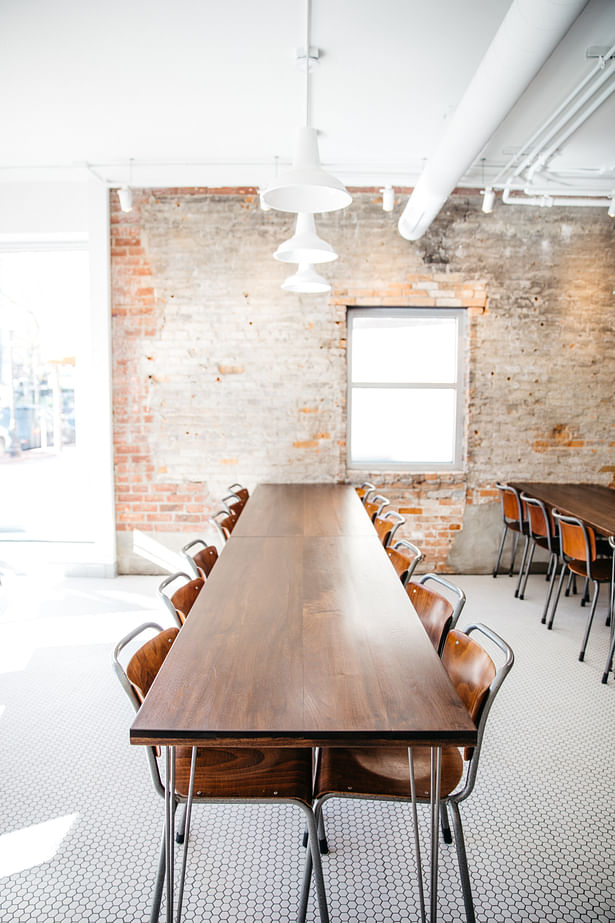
(513, 554)
(557, 595)
(553, 566)
(500, 550)
(524, 574)
(181, 828)
(463, 864)
(447, 836)
(590, 619)
(609, 660)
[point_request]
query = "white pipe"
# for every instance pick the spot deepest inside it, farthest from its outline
(545, 156)
(547, 200)
(599, 71)
(529, 32)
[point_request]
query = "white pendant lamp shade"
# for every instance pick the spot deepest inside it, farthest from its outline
(306, 280)
(305, 246)
(306, 187)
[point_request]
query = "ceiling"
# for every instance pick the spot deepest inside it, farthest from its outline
(209, 93)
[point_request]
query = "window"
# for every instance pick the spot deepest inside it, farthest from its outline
(405, 388)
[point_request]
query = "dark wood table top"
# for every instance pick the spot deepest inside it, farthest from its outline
(593, 503)
(302, 635)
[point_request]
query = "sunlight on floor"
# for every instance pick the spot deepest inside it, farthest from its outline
(23, 849)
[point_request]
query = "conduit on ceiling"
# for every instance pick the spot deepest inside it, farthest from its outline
(528, 34)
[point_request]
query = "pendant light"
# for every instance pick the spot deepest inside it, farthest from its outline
(305, 246)
(307, 187)
(306, 280)
(125, 193)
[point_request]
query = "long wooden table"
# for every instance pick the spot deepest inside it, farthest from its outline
(304, 636)
(593, 503)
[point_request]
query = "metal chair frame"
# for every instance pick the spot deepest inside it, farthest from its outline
(378, 502)
(566, 560)
(518, 526)
(223, 522)
(548, 541)
(194, 567)
(414, 558)
(451, 588)
(466, 785)
(396, 520)
(609, 660)
(365, 489)
(184, 828)
(167, 600)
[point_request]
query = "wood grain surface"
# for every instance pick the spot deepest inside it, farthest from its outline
(302, 635)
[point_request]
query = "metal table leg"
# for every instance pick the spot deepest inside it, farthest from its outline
(434, 800)
(169, 825)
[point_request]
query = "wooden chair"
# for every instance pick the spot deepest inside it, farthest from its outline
(578, 552)
(224, 522)
(609, 660)
(513, 521)
(387, 525)
(435, 611)
(540, 528)
(374, 505)
(404, 556)
(278, 775)
(364, 490)
(180, 602)
(383, 773)
(202, 561)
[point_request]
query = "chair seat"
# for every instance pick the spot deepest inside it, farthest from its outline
(600, 569)
(384, 771)
(246, 772)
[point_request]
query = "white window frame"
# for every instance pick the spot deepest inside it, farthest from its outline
(377, 465)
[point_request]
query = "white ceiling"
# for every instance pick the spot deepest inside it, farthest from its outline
(209, 93)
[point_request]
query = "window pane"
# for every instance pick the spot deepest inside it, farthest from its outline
(403, 425)
(404, 349)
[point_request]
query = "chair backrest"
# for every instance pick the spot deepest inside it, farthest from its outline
(180, 601)
(404, 556)
(365, 489)
(510, 499)
(577, 540)
(242, 493)
(224, 523)
(374, 505)
(538, 518)
(139, 674)
(452, 592)
(387, 525)
(433, 609)
(201, 561)
(477, 681)
(233, 505)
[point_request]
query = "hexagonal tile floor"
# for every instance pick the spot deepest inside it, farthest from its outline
(80, 823)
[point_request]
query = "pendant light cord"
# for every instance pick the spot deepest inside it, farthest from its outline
(308, 112)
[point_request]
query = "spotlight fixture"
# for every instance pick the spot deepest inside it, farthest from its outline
(388, 198)
(306, 187)
(125, 193)
(305, 246)
(611, 211)
(306, 280)
(488, 200)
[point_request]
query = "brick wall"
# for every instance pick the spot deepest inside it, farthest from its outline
(220, 376)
